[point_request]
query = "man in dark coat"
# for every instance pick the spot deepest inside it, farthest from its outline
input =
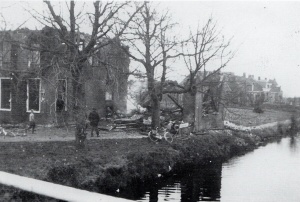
(94, 121)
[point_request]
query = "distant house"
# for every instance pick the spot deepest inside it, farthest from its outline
(31, 79)
(295, 101)
(246, 90)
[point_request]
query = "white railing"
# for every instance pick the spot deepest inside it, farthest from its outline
(56, 191)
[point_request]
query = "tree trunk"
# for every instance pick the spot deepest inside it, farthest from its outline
(155, 112)
(77, 100)
(155, 102)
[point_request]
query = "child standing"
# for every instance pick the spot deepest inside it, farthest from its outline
(31, 122)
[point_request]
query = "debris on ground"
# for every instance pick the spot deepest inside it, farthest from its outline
(11, 132)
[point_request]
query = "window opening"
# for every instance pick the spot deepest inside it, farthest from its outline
(34, 57)
(108, 96)
(5, 94)
(5, 54)
(61, 95)
(1, 53)
(33, 94)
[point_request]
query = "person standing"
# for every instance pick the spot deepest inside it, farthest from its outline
(31, 122)
(80, 133)
(94, 121)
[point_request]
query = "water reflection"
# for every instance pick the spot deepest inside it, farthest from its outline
(278, 141)
(293, 144)
(270, 173)
(202, 184)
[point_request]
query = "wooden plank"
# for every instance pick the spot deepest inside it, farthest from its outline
(56, 191)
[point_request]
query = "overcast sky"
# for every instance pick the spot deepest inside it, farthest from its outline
(266, 35)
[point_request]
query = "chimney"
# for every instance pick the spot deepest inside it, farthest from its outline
(259, 78)
(244, 75)
(265, 78)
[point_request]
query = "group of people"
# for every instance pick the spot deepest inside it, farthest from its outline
(93, 119)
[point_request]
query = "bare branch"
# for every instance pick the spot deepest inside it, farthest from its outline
(56, 18)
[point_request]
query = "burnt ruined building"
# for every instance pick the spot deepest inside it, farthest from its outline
(204, 103)
(34, 76)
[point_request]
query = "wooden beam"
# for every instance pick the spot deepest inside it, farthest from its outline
(175, 102)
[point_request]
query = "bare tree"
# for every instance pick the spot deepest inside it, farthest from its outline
(151, 46)
(80, 46)
(206, 48)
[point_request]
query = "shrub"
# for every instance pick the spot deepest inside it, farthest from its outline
(65, 175)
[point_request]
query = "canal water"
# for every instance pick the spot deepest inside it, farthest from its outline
(269, 173)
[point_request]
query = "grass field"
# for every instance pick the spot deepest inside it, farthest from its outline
(247, 117)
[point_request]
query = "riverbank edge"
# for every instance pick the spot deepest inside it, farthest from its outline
(186, 155)
(139, 168)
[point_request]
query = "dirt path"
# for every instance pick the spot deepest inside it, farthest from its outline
(44, 134)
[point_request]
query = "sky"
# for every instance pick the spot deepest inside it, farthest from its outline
(265, 35)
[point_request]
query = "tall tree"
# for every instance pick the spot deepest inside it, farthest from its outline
(104, 20)
(206, 48)
(151, 46)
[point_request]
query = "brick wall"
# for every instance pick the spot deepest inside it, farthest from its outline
(95, 82)
(95, 89)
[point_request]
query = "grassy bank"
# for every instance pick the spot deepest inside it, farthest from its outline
(246, 116)
(109, 165)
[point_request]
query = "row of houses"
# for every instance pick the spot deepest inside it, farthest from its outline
(33, 77)
(243, 90)
(236, 91)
